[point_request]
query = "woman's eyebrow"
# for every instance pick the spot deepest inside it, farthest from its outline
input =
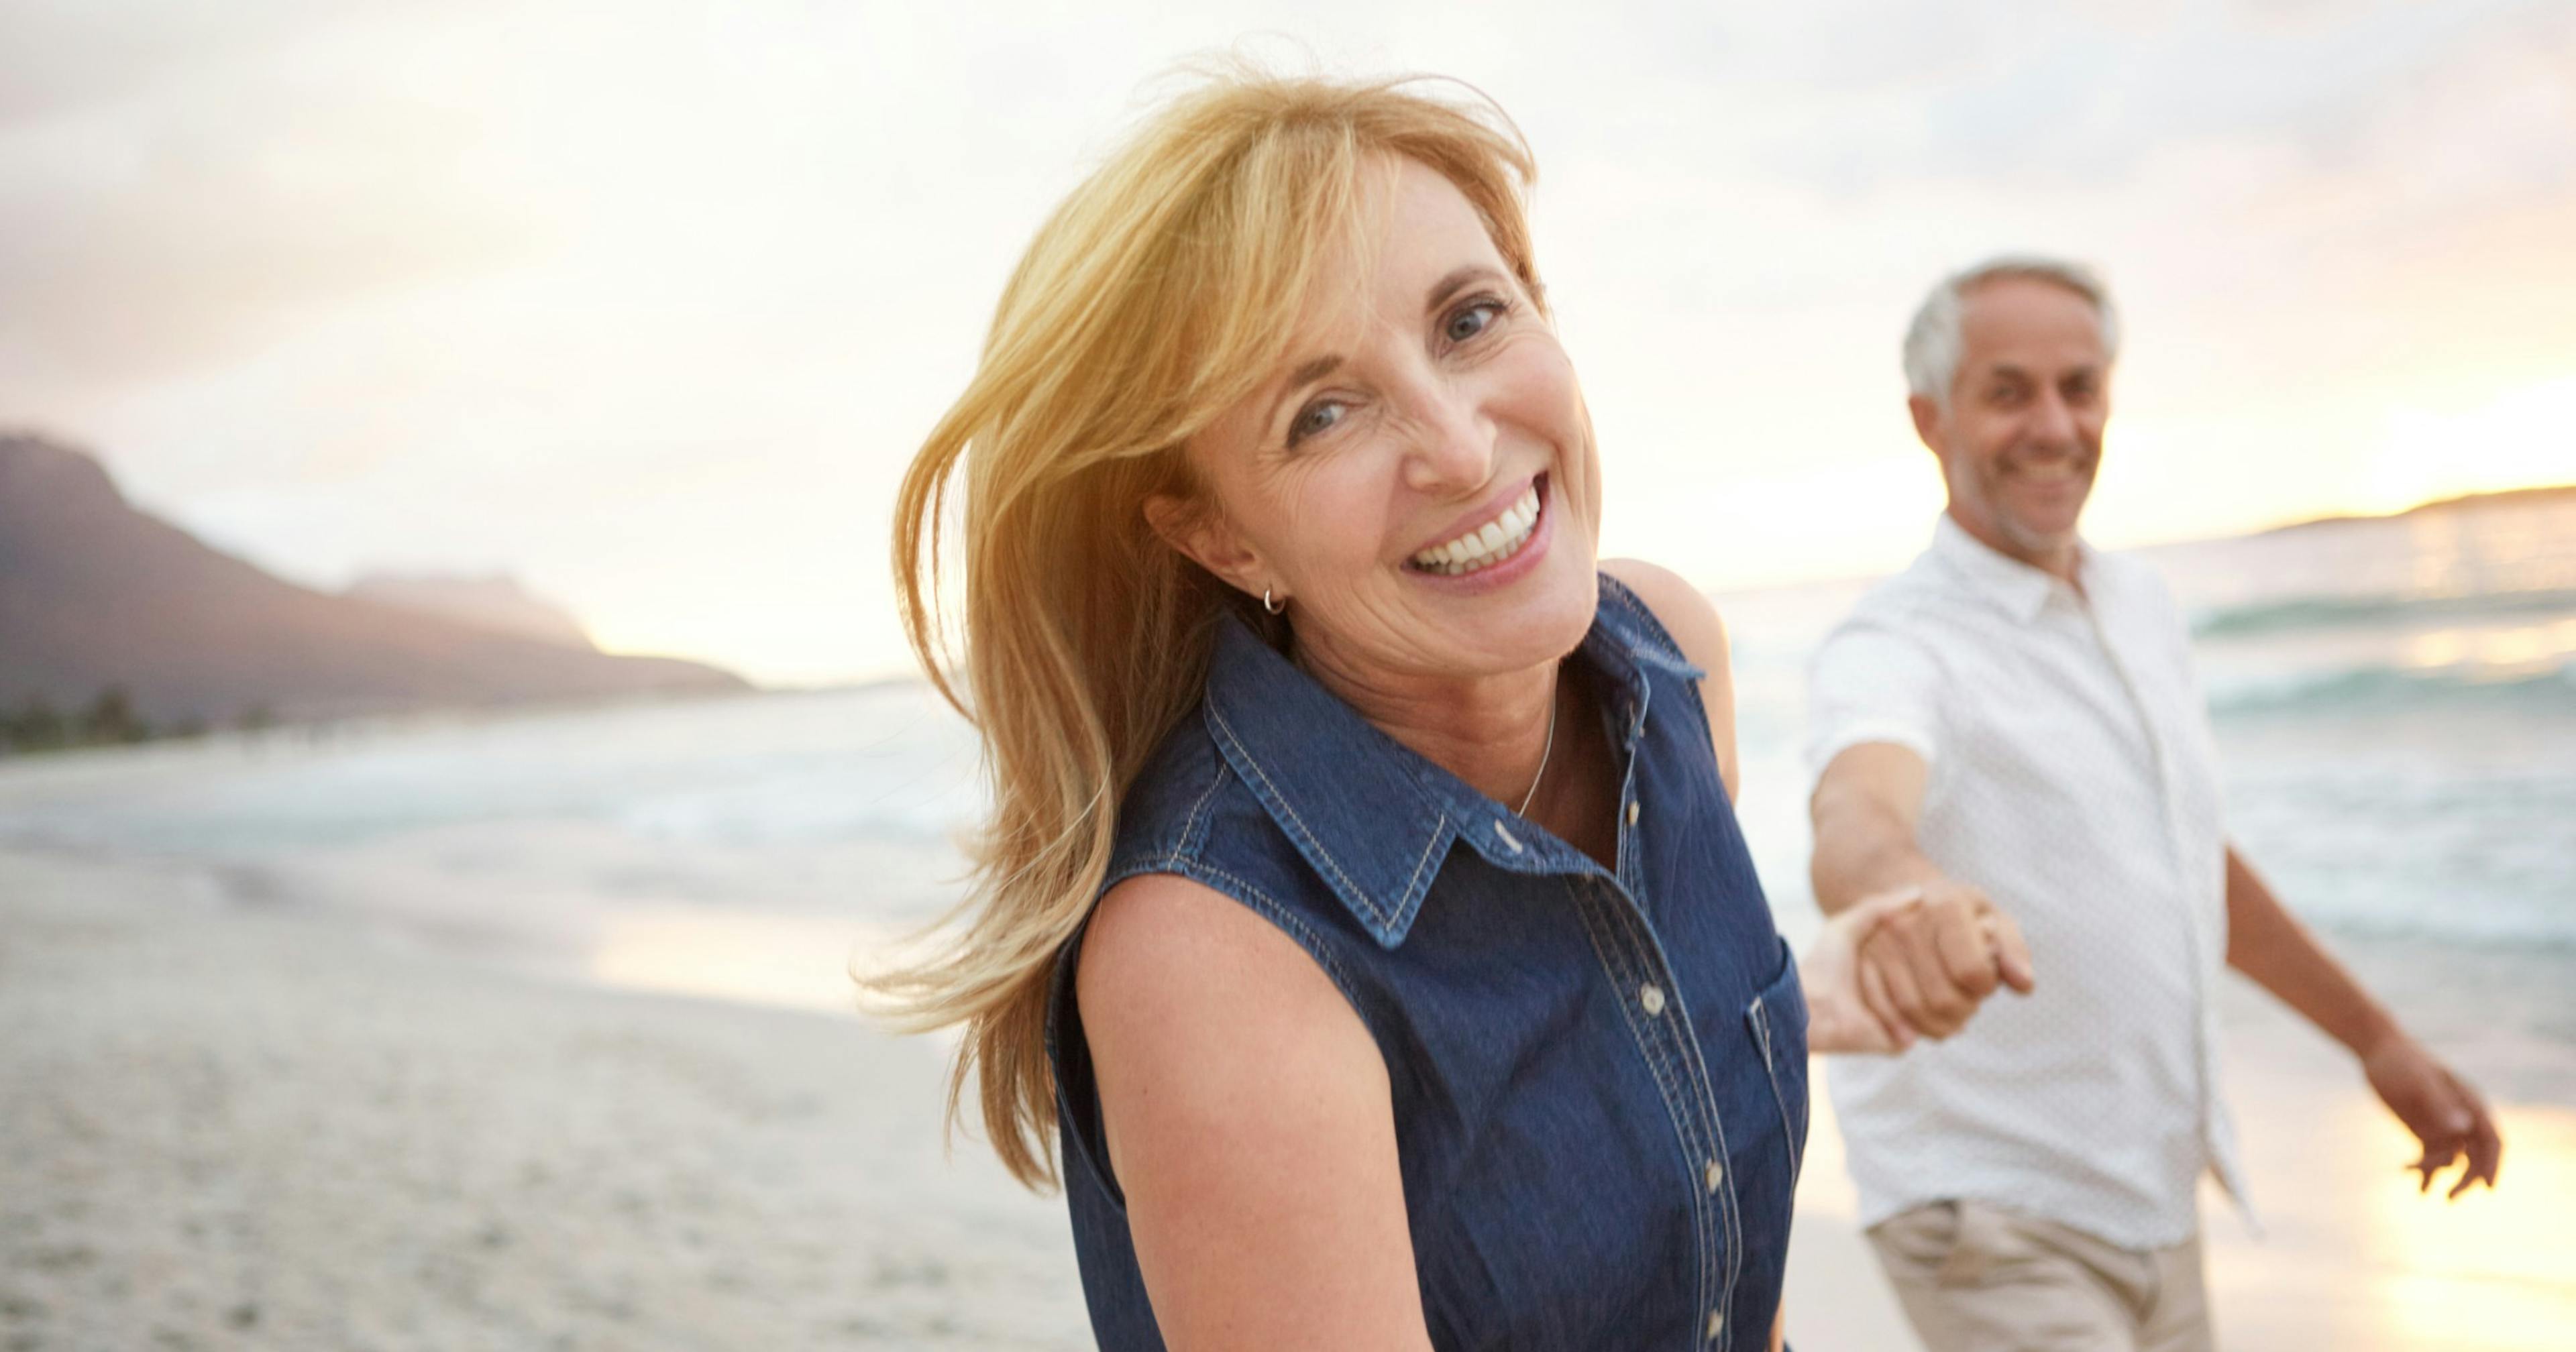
(1457, 281)
(1311, 372)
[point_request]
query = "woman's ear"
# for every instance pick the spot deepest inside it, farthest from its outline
(1205, 537)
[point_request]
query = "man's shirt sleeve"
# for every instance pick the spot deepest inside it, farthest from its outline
(1869, 683)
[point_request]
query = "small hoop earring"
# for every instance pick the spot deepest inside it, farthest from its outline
(1274, 607)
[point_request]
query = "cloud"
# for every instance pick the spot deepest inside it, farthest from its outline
(187, 191)
(2085, 96)
(653, 308)
(65, 55)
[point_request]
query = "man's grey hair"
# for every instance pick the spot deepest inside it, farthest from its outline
(1933, 341)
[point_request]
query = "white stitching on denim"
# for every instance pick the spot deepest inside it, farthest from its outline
(1693, 1148)
(1438, 830)
(1771, 1071)
(1287, 920)
(1296, 823)
(1190, 824)
(1697, 1067)
(1237, 889)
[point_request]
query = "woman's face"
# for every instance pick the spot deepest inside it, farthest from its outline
(1419, 479)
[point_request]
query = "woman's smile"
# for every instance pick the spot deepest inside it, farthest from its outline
(1522, 534)
(1493, 539)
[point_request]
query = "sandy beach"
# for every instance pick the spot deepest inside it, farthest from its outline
(246, 1126)
(232, 1128)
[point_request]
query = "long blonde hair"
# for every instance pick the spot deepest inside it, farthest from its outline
(1161, 292)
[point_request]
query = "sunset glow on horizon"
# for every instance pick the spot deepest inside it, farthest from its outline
(651, 313)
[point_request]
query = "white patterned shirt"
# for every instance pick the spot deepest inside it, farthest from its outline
(2074, 779)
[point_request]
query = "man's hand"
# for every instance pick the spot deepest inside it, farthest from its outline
(2444, 1113)
(1844, 1015)
(1924, 967)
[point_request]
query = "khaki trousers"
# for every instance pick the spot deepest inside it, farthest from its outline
(1976, 1278)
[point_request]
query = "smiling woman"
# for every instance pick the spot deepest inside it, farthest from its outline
(1363, 904)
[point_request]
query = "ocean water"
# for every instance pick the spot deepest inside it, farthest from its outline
(2395, 702)
(2395, 707)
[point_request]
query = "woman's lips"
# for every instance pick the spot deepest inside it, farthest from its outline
(1490, 544)
(1513, 563)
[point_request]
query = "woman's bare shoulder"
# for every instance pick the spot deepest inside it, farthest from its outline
(1250, 1124)
(1684, 610)
(1161, 940)
(1177, 979)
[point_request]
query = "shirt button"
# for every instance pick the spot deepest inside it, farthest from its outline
(1652, 997)
(1716, 1325)
(1632, 814)
(1714, 1175)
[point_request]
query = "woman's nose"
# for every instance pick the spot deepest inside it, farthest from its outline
(1453, 444)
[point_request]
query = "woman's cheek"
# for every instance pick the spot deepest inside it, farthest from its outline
(1342, 523)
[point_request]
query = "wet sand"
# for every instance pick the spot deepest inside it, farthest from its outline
(243, 1126)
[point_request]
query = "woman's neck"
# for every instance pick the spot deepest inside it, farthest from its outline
(1491, 731)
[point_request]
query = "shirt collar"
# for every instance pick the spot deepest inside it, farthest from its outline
(1372, 816)
(2021, 589)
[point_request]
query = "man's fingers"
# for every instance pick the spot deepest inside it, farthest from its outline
(2485, 1148)
(1942, 1006)
(1887, 957)
(1881, 1004)
(2436, 1159)
(2011, 952)
(1961, 939)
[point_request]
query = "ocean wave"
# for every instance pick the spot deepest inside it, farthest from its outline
(2453, 927)
(2382, 689)
(2337, 612)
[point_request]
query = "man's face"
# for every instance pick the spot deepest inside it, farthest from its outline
(2021, 434)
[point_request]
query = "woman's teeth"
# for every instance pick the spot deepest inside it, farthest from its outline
(1486, 545)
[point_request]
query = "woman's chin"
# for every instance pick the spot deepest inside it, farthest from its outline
(1541, 618)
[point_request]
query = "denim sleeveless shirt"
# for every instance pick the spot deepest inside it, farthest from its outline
(1599, 1077)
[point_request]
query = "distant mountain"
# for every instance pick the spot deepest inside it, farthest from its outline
(95, 593)
(497, 603)
(2511, 497)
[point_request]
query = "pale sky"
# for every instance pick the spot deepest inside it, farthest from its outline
(648, 304)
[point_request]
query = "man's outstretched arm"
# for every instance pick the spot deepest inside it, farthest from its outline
(1924, 949)
(2269, 945)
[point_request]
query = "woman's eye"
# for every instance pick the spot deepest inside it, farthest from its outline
(1469, 320)
(1319, 416)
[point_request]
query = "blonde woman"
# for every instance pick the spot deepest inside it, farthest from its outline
(1362, 904)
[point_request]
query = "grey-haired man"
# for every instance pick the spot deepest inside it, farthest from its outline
(2015, 718)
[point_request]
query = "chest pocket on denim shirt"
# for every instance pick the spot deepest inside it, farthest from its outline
(1777, 1019)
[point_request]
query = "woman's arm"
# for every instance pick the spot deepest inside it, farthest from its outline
(1692, 620)
(1249, 1122)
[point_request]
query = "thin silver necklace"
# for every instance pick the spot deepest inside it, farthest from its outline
(1544, 751)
